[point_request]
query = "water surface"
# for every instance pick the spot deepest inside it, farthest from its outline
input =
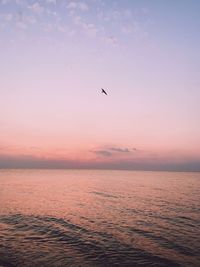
(99, 218)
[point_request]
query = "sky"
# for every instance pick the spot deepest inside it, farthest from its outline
(56, 55)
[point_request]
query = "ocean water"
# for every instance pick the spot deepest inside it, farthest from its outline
(99, 218)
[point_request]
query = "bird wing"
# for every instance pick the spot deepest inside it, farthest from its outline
(103, 91)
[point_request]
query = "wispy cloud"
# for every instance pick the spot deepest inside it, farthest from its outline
(106, 26)
(104, 153)
(78, 5)
(52, 1)
(118, 149)
(62, 28)
(111, 40)
(37, 8)
(127, 21)
(91, 29)
(89, 18)
(113, 151)
(88, 28)
(24, 20)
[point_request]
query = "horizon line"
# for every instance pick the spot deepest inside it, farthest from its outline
(97, 169)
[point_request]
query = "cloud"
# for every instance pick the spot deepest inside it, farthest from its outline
(83, 7)
(62, 28)
(111, 40)
(90, 29)
(29, 161)
(36, 8)
(23, 3)
(119, 20)
(52, 1)
(104, 153)
(72, 5)
(118, 149)
(23, 21)
(78, 20)
(52, 13)
(78, 6)
(111, 151)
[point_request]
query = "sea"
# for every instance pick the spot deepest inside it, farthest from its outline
(86, 218)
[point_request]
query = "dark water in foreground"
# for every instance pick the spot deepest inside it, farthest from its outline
(99, 218)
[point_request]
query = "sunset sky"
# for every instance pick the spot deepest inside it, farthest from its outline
(55, 55)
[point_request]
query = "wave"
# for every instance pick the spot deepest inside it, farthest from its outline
(29, 240)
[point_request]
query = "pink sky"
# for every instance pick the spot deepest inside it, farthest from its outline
(56, 56)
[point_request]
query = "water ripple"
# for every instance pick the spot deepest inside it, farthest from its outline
(68, 241)
(99, 218)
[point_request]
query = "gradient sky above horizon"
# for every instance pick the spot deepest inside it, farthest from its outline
(55, 55)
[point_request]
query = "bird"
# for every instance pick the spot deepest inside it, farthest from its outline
(103, 91)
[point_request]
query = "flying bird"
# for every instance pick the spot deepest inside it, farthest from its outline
(103, 91)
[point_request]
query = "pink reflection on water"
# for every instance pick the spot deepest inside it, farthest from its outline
(142, 209)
